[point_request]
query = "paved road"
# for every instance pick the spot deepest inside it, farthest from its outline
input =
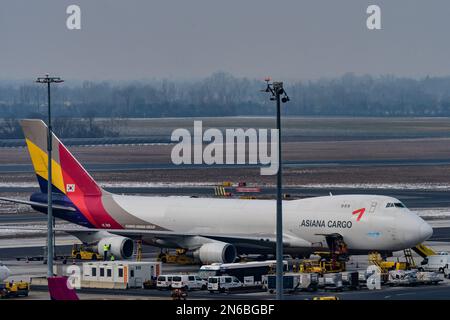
(21, 168)
(437, 292)
(63, 250)
(22, 218)
(431, 292)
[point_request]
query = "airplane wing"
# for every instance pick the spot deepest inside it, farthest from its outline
(254, 241)
(37, 204)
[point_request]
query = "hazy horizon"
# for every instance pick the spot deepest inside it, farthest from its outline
(183, 40)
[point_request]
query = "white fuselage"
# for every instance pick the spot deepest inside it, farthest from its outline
(305, 221)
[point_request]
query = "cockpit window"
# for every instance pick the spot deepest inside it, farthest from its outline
(395, 205)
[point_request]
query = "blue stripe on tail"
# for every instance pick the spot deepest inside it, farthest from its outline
(43, 185)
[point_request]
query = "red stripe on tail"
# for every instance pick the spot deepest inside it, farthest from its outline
(85, 194)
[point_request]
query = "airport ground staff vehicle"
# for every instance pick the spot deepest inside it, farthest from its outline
(247, 272)
(14, 289)
(424, 251)
(438, 263)
(164, 282)
(321, 266)
(80, 252)
(326, 298)
(179, 257)
(292, 282)
(223, 283)
(188, 282)
(386, 266)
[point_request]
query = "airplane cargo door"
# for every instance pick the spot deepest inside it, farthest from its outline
(392, 232)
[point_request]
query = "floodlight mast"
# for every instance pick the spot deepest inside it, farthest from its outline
(50, 221)
(276, 90)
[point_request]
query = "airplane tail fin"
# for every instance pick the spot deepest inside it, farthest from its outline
(68, 175)
(69, 178)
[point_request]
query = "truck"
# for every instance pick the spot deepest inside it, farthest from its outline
(188, 282)
(14, 289)
(223, 283)
(80, 252)
(292, 282)
(164, 282)
(248, 272)
(438, 263)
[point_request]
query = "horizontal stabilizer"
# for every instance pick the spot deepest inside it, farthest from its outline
(38, 204)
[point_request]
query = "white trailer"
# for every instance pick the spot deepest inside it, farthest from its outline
(119, 274)
(292, 282)
(429, 277)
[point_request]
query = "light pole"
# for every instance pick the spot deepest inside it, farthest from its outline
(276, 90)
(48, 80)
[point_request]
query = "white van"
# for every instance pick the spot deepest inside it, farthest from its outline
(188, 282)
(439, 263)
(164, 282)
(223, 283)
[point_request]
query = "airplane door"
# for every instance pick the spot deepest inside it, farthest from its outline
(392, 232)
(373, 206)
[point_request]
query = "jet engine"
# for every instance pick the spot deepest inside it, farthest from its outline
(212, 252)
(121, 247)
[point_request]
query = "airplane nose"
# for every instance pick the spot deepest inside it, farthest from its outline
(425, 231)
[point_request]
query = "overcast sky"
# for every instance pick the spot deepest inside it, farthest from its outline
(180, 39)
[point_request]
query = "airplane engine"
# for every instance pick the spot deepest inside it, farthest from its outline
(220, 252)
(121, 247)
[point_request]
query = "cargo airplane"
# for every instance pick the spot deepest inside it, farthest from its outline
(213, 230)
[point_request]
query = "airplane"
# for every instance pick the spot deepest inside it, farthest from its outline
(4, 272)
(213, 230)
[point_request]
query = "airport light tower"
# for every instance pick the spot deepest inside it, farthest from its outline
(50, 245)
(276, 90)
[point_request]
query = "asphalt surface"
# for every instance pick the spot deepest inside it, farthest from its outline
(21, 168)
(429, 292)
(22, 218)
(60, 250)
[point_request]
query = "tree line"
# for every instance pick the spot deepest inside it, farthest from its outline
(223, 94)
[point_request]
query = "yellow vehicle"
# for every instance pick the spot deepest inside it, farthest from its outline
(14, 289)
(328, 298)
(79, 252)
(385, 266)
(179, 258)
(392, 265)
(247, 197)
(321, 266)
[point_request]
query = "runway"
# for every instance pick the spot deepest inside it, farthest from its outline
(102, 167)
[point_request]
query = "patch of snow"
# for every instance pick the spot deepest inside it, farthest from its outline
(392, 186)
(132, 184)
